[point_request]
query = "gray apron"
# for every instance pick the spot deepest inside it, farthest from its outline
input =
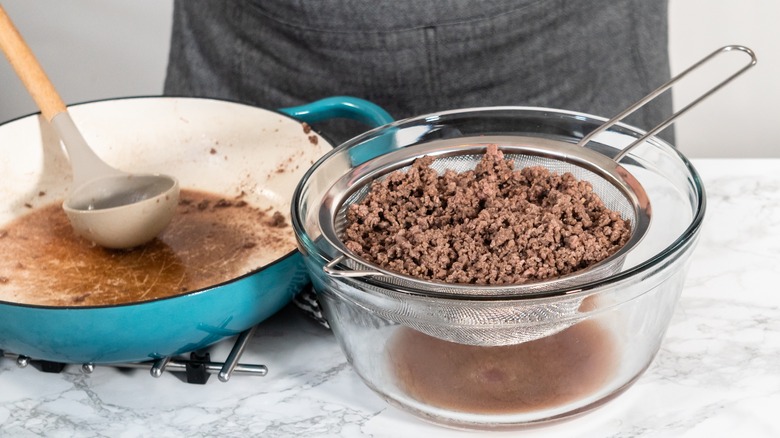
(419, 56)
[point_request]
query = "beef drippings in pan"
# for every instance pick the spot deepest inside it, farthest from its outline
(210, 240)
(492, 225)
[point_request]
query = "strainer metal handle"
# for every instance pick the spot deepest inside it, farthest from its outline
(628, 111)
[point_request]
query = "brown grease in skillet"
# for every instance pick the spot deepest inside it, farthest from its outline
(210, 240)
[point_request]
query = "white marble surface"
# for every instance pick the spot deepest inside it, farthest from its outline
(717, 374)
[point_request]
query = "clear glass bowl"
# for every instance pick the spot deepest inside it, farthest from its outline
(560, 352)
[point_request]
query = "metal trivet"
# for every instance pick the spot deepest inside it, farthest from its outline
(198, 367)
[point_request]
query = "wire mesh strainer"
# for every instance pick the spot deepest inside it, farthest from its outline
(619, 193)
(617, 188)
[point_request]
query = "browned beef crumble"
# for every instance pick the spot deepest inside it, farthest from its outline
(492, 225)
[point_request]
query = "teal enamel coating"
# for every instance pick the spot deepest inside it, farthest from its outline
(356, 109)
(176, 325)
(153, 329)
(344, 107)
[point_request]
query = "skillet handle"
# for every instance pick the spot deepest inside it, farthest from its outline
(345, 107)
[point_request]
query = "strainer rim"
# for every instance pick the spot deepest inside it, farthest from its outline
(558, 150)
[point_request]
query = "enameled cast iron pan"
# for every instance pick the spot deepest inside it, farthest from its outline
(211, 145)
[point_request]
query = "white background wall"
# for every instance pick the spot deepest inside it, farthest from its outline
(740, 120)
(95, 49)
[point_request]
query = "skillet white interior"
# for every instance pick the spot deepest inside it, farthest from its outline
(212, 145)
(223, 148)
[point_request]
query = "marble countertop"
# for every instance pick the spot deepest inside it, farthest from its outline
(717, 373)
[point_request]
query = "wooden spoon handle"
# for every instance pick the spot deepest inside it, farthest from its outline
(28, 69)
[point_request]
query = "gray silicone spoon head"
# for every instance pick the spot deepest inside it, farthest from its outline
(112, 208)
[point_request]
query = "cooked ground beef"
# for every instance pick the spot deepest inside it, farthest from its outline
(492, 225)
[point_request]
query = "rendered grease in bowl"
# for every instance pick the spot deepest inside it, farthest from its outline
(210, 240)
(541, 374)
